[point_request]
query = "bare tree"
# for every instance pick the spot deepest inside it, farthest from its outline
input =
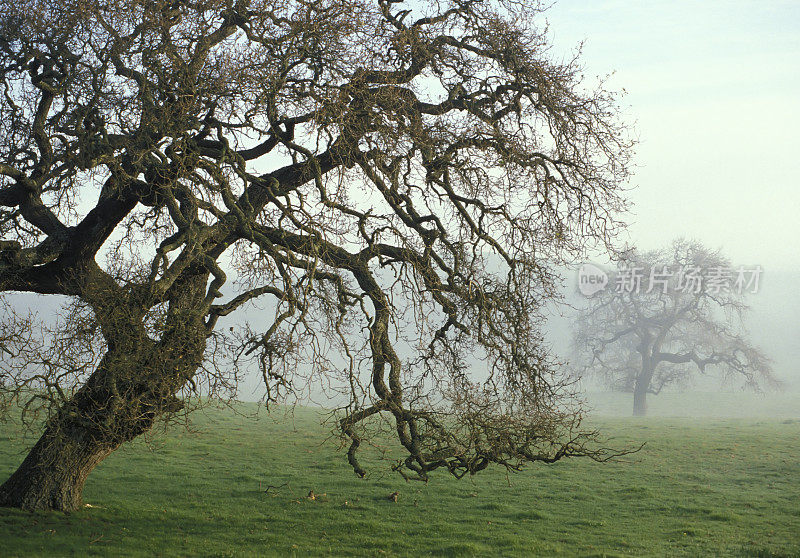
(667, 315)
(384, 175)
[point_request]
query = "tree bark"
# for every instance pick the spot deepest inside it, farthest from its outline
(53, 474)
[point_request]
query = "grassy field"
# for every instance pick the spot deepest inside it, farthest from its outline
(701, 487)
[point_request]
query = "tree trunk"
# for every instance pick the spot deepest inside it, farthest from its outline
(639, 401)
(116, 405)
(121, 400)
(134, 384)
(642, 386)
(54, 472)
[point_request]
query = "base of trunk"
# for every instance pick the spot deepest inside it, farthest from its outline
(53, 474)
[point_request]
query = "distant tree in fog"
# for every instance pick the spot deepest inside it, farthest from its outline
(666, 315)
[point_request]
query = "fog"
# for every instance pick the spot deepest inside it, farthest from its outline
(771, 323)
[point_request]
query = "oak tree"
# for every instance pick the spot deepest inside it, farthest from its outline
(382, 175)
(667, 315)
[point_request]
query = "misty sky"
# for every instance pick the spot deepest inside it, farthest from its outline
(713, 90)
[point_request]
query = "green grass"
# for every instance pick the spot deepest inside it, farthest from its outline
(699, 488)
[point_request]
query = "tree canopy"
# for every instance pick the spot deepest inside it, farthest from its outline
(381, 173)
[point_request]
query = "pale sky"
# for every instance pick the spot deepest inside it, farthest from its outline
(714, 95)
